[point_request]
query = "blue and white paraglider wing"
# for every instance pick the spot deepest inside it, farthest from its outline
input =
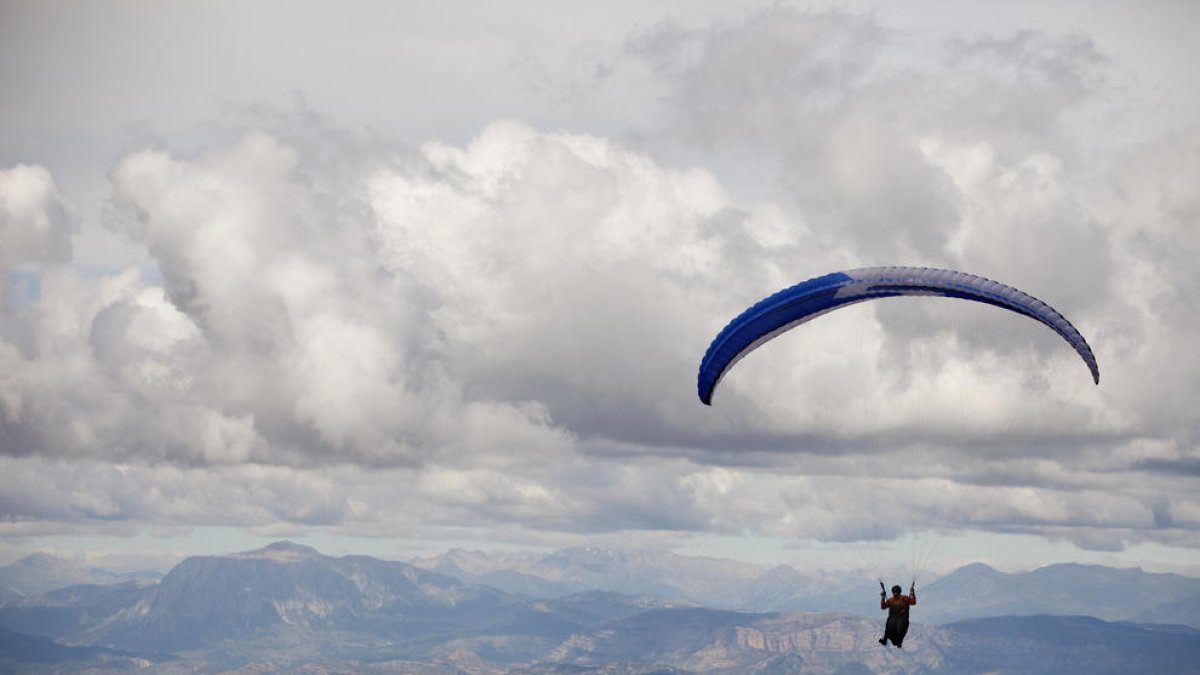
(810, 299)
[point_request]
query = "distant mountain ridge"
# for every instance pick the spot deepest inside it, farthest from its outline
(286, 606)
(290, 601)
(629, 571)
(974, 590)
(287, 589)
(710, 641)
(42, 572)
(70, 611)
(37, 653)
(1103, 592)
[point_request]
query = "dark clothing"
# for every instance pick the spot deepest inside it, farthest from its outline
(897, 621)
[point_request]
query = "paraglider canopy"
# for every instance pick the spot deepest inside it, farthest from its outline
(810, 299)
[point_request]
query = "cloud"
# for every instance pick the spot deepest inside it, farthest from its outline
(568, 270)
(343, 335)
(558, 501)
(303, 330)
(36, 221)
(889, 156)
(117, 497)
(975, 162)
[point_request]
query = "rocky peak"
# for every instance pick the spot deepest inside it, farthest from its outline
(282, 551)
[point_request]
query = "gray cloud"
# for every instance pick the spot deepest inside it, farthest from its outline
(342, 333)
(36, 221)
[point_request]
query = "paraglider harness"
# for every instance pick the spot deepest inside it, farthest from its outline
(897, 621)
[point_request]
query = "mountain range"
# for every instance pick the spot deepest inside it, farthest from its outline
(713, 641)
(976, 590)
(1093, 590)
(287, 605)
(41, 572)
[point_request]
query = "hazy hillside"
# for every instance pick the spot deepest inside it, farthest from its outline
(972, 591)
(1103, 592)
(1184, 610)
(709, 641)
(1049, 645)
(287, 606)
(291, 600)
(710, 581)
(70, 611)
(42, 572)
(293, 597)
(20, 653)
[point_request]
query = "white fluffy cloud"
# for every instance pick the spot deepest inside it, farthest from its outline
(504, 332)
(36, 222)
(303, 332)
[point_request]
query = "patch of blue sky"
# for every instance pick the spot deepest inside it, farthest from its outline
(24, 287)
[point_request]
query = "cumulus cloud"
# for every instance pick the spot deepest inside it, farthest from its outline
(1149, 215)
(504, 332)
(568, 270)
(36, 221)
(303, 331)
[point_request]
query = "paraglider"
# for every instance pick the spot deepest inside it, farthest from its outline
(897, 608)
(810, 299)
(817, 296)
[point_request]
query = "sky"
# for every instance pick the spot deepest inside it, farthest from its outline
(390, 278)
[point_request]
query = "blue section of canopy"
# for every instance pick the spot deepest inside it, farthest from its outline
(808, 300)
